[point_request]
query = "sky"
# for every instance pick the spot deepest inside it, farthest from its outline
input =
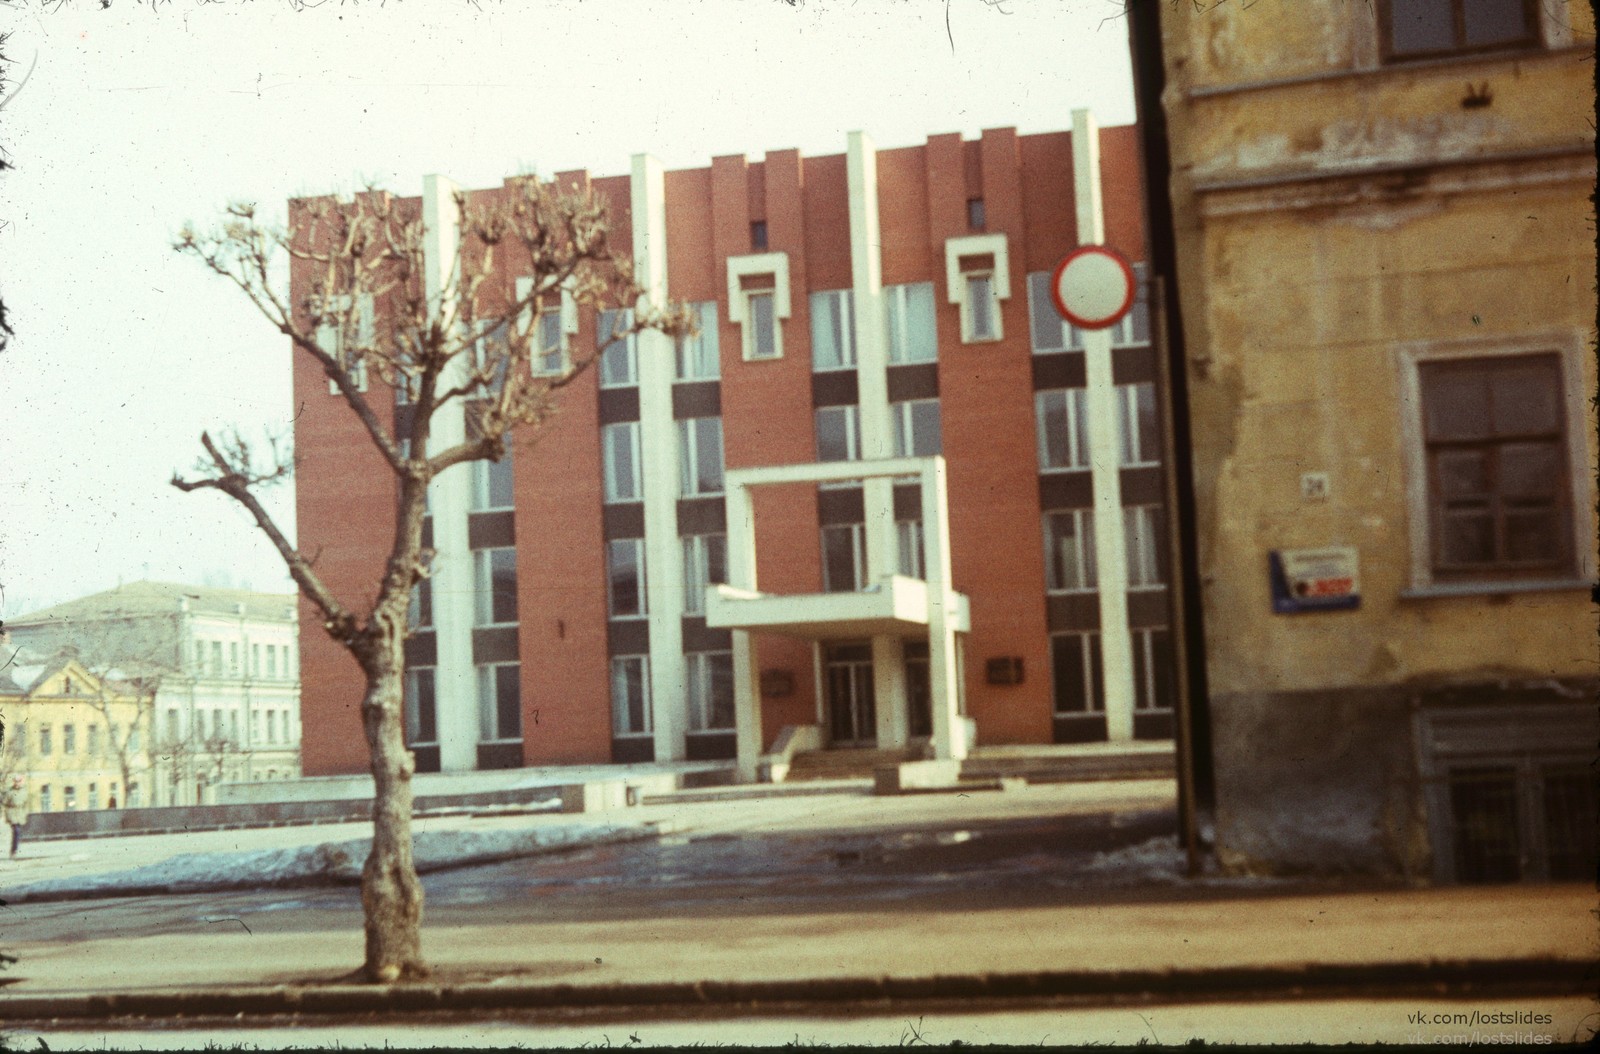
(139, 116)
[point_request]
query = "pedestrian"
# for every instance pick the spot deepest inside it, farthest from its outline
(15, 810)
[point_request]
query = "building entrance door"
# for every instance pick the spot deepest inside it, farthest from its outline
(852, 716)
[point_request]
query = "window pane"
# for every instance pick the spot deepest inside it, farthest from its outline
(833, 339)
(1463, 473)
(493, 488)
(1421, 25)
(698, 354)
(1455, 402)
(917, 428)
(836, 433)
(1468, 537)
(508, 702)
(421, 715)
(1526, 396)
(1529, 470)
(841, 569)
(708, 455)
(1070, 672)
(630, 714)
(624, 559)
(763, 340)
(1569, 824)
(721, 667)
(980, 305)
(909, 548)
(1533, 534)
(549, 359)
(618, 362)
(1069, 550)
(1495, 21)
(909, 316)
(505, 585)
(1044, 320)
(621, 464)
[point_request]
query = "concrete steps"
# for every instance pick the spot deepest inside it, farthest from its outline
(845, 763)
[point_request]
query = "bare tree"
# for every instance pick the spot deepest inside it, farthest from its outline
(457, 343)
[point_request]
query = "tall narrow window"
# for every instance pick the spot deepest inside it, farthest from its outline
(46, 742)
(833, 332)
(908, 548)
(500, 702)
(1063, 429)
(909, 317)
(496, 586)
(916, 428)
(625, 577)
(491, 357)
(983, 310)
(839, 433)
(492, 484)
(844, 558)
(1138, 434)
(698, 356)
(710, 690)
(705, 563)
(975, 214)
(1152, 669)
(1495, 447)
(1134, 328)
(421, 715)
(1145, 537)
(1069, 559)
(419, 616)
(700, 455)
(69, 739)
(94, 741)
(758, 235)
(619, 359)
(347, 335)
(620, 449)
(1080, 684)
(761, 325)
(630, 696)
(550, 351)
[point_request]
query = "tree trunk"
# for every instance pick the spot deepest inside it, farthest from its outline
(391, 894)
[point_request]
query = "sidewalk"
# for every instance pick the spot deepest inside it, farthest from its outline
(1138, 932)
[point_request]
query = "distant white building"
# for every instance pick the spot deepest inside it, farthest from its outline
(224, 666)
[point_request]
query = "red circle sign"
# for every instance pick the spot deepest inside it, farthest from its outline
(1093, 287)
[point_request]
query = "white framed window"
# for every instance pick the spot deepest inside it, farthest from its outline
(625, 583)
(700, 456)
(335, 338)
(419, 615)
(46, 802)
(844, 558)
(978, 275)
(94, 741)
(1153, 669)
(557, 321)
(630, 696)
(1051, 333)
(492, 484)
(705, 563)
(495, 586)
(909, 548)
(272, 726)
(619, 359)
(710, 690)
(1069, 557)
(620, 448)
(1079, 683)
(699, 357)
(1144, 529)
(255, 660)
(1133, 329)
(46, 741)
(1497, 487)
(909, 317)
(839, 433)
(216, 659)
(69, 798)
(758, 302)
(272, 661)
(833, 330)
(1138, 435)
(500, 702)
(233, 658)
(69, 739)
(1063, 429)
(916, 428)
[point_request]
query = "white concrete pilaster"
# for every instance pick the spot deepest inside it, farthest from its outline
(746, 673)
(949, 734)
(1110, 547)
(455, 678)
(658, 444)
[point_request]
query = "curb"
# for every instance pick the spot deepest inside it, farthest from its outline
(1517, 977)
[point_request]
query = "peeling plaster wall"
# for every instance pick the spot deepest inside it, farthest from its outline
(1329, 210)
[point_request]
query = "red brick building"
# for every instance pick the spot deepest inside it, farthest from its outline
(853, 307)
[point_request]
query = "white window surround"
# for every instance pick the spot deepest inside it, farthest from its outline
(568, 329)
(756, 265)
(1569, 345)
(956, 280)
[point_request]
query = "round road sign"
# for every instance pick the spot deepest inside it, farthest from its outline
(1093, 287)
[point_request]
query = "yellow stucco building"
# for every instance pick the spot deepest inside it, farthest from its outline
(1386, 269)
(76, 742)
